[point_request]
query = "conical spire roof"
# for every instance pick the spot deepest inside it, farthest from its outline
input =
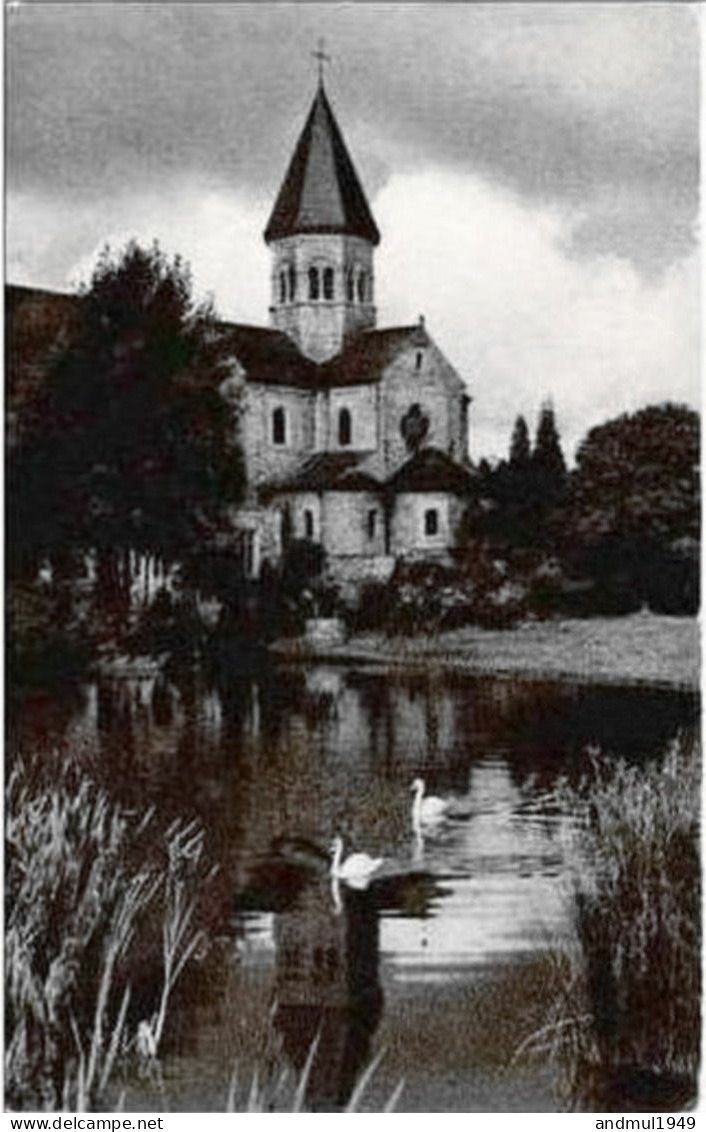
(321, 191)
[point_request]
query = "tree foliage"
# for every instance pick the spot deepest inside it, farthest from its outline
(637, 477)
(129, 443)
(522, 494)
(621, 531)
(520, 451)
(548, 464)
(634, 517)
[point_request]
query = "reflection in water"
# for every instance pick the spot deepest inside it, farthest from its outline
(327, 988)
(273, 767)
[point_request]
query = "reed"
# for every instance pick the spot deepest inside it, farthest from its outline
(82, 877)
(625, 1020)
(285, 1093)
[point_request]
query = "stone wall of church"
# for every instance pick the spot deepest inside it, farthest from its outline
(305, 515)
(422, 376)
(353, 523)
(411, 524)
(361, 403)
(268, 457)
(320, 325)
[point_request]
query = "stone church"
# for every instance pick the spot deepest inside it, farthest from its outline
(354, 436)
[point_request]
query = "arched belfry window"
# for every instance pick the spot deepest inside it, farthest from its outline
(350, 287)
(282, 287)
(361, 287)
(328, 282)
(345, 428)
(292, 275)
(279, 426)
(313, 283)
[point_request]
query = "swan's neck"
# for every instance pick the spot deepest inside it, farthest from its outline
(336, 894)
(338, 850)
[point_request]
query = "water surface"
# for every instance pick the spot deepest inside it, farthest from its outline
(442, 960)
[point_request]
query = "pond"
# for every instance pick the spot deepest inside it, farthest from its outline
(442, 961)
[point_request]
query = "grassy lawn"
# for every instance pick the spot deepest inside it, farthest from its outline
(641, 648)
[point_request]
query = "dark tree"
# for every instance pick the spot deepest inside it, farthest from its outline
(129, 445)
(547, 457)
(635, 503)
(524, 494)
(520, 444)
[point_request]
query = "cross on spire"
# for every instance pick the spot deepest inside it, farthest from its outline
(321, 58)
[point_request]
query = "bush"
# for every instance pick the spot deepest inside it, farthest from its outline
(373, 608)
(47, 645)
(170, 625)
(423, 597)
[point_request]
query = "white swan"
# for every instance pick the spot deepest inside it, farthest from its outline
(357, 869)
(425, 810)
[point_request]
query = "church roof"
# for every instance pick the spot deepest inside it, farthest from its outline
(268, 356)
(35, 320)
(430, 469)
(271, 357)
(321, 191)
(331, 471)
(364, 359)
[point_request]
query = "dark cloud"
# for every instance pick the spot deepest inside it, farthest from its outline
(587, 107)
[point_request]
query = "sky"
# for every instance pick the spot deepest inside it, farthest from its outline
(533, 169)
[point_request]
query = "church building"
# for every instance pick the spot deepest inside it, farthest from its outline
(354, 436)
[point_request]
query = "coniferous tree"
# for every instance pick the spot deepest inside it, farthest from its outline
(548, 462)
(520, 444)
(547, 446)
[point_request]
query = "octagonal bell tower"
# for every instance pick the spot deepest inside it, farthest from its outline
(322, 236)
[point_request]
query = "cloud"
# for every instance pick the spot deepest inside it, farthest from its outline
(593, 106)
(218, 234)
(522, 321)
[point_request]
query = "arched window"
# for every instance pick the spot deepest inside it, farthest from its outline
(344, 427)
(419, 359)
(282, 287)
(328, 282)
(372, 523)
(361, 287)
(313, 283)
(292, 283)
(308, 524)
(431, 522)
(279, 426)
(350, 287)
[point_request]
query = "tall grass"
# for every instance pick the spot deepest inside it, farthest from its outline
(283, 1093)
(84, 881)
(625, 1022)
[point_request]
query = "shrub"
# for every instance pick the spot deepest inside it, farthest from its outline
(46, 644)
